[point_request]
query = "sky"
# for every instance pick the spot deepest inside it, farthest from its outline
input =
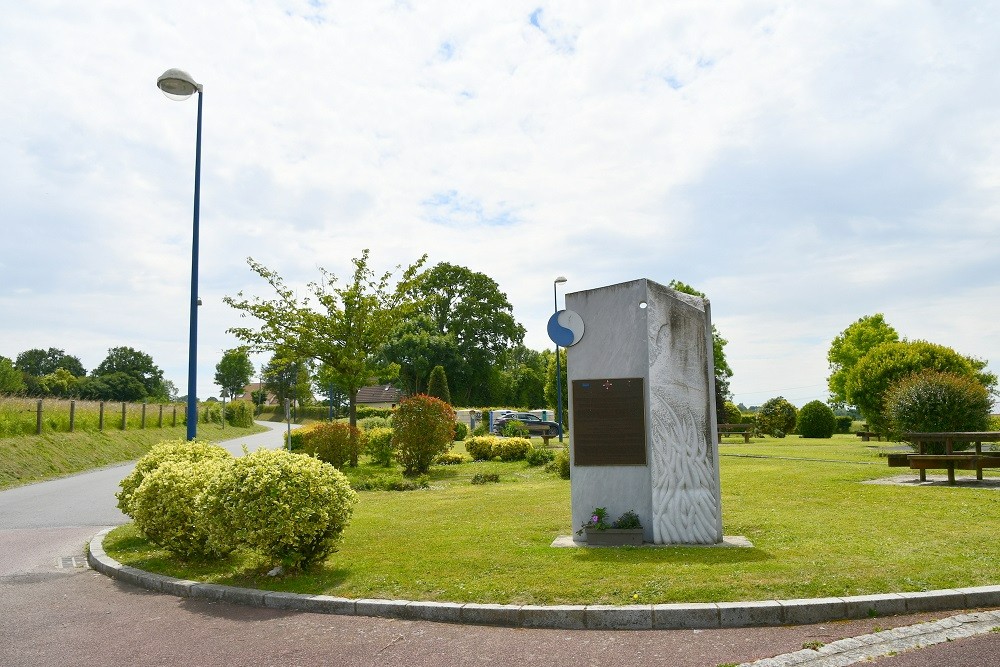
(803, 164)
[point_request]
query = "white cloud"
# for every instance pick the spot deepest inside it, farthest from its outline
(802, 164)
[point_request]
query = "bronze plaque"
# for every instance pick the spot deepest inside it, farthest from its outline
(609, 422)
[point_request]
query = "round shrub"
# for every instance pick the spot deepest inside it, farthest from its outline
(539, 456)
(423, 428)
(560, 465)
(480, 447)
(816, 420)
(733, 414)
(776, 416)
(166, 507)
(934, 401)
(177, 451)
(290, 507)
(461, 431)
(844, 423)
(380, 446)
(336, 443)
(450, 459)
(512, 449)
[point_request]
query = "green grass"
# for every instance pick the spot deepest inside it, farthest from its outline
(816, 529)
(33, 458)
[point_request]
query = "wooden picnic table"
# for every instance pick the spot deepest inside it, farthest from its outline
(952, 459)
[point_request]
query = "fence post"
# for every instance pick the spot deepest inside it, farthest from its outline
(143, 423)
(72, 415)
(100, 421)
(175, 415)
(123, 415)
(38, 418)
(159, 422)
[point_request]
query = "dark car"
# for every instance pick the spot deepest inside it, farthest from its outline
(536, 425)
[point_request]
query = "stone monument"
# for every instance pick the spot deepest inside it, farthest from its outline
(642, 411)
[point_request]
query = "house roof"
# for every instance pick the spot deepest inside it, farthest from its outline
(385, 393)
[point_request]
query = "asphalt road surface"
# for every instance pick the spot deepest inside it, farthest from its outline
(54, 612)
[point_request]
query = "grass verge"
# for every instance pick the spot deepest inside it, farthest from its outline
(34, 458)
(817, 531)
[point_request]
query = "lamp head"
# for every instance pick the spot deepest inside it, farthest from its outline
(177, 84)
(560, 280)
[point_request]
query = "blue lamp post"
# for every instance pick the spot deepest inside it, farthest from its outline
(559, 402)
(178, 85)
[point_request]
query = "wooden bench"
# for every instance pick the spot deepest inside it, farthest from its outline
(735, 429)
(868, 435)
(950, 460)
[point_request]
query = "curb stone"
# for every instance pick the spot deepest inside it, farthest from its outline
(582, 617)
(866, 647)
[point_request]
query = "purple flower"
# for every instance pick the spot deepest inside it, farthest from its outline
(595, 519)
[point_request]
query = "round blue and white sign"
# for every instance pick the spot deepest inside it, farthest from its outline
(565, 328)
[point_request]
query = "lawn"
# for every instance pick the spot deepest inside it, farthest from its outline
(816, 530)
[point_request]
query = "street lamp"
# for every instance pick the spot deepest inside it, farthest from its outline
(559, 403)
(178, 85)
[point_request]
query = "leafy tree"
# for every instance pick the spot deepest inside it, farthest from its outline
(135, 364)
(722, 370)
(777, 417)
(11, 380)
(849, 346)
(417, 346)
(550, 383)
(234, 371)
(288, 379)
(37, 362)
(437, 386)
(116, 386)
(59, 383)
(470, 308)
(816, 420)
(870, 379)
(346, 329)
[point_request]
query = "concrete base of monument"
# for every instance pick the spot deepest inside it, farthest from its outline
(728, 542)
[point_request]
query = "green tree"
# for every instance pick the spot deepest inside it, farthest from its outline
(870, 379)
(11, 380)
(116, 386)
(417, 346)
(59, 383)
(137, 365)
(37, 362)
(550, 383)
(847, 349)
(344, 327)
(470, 308)
(423, 428)
(723, 372)
(437, 386)
(777, 417)
(234, 370)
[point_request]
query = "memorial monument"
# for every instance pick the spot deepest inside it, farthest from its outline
(642, 411)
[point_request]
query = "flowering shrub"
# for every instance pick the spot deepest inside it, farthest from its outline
(290, 507)
(423, 428)
(178, 451)
(380, 446)
(166, 507)
(599, 521)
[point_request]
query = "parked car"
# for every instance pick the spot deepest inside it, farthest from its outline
(536, 425)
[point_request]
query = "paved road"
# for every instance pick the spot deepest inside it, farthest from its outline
(54, 614)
